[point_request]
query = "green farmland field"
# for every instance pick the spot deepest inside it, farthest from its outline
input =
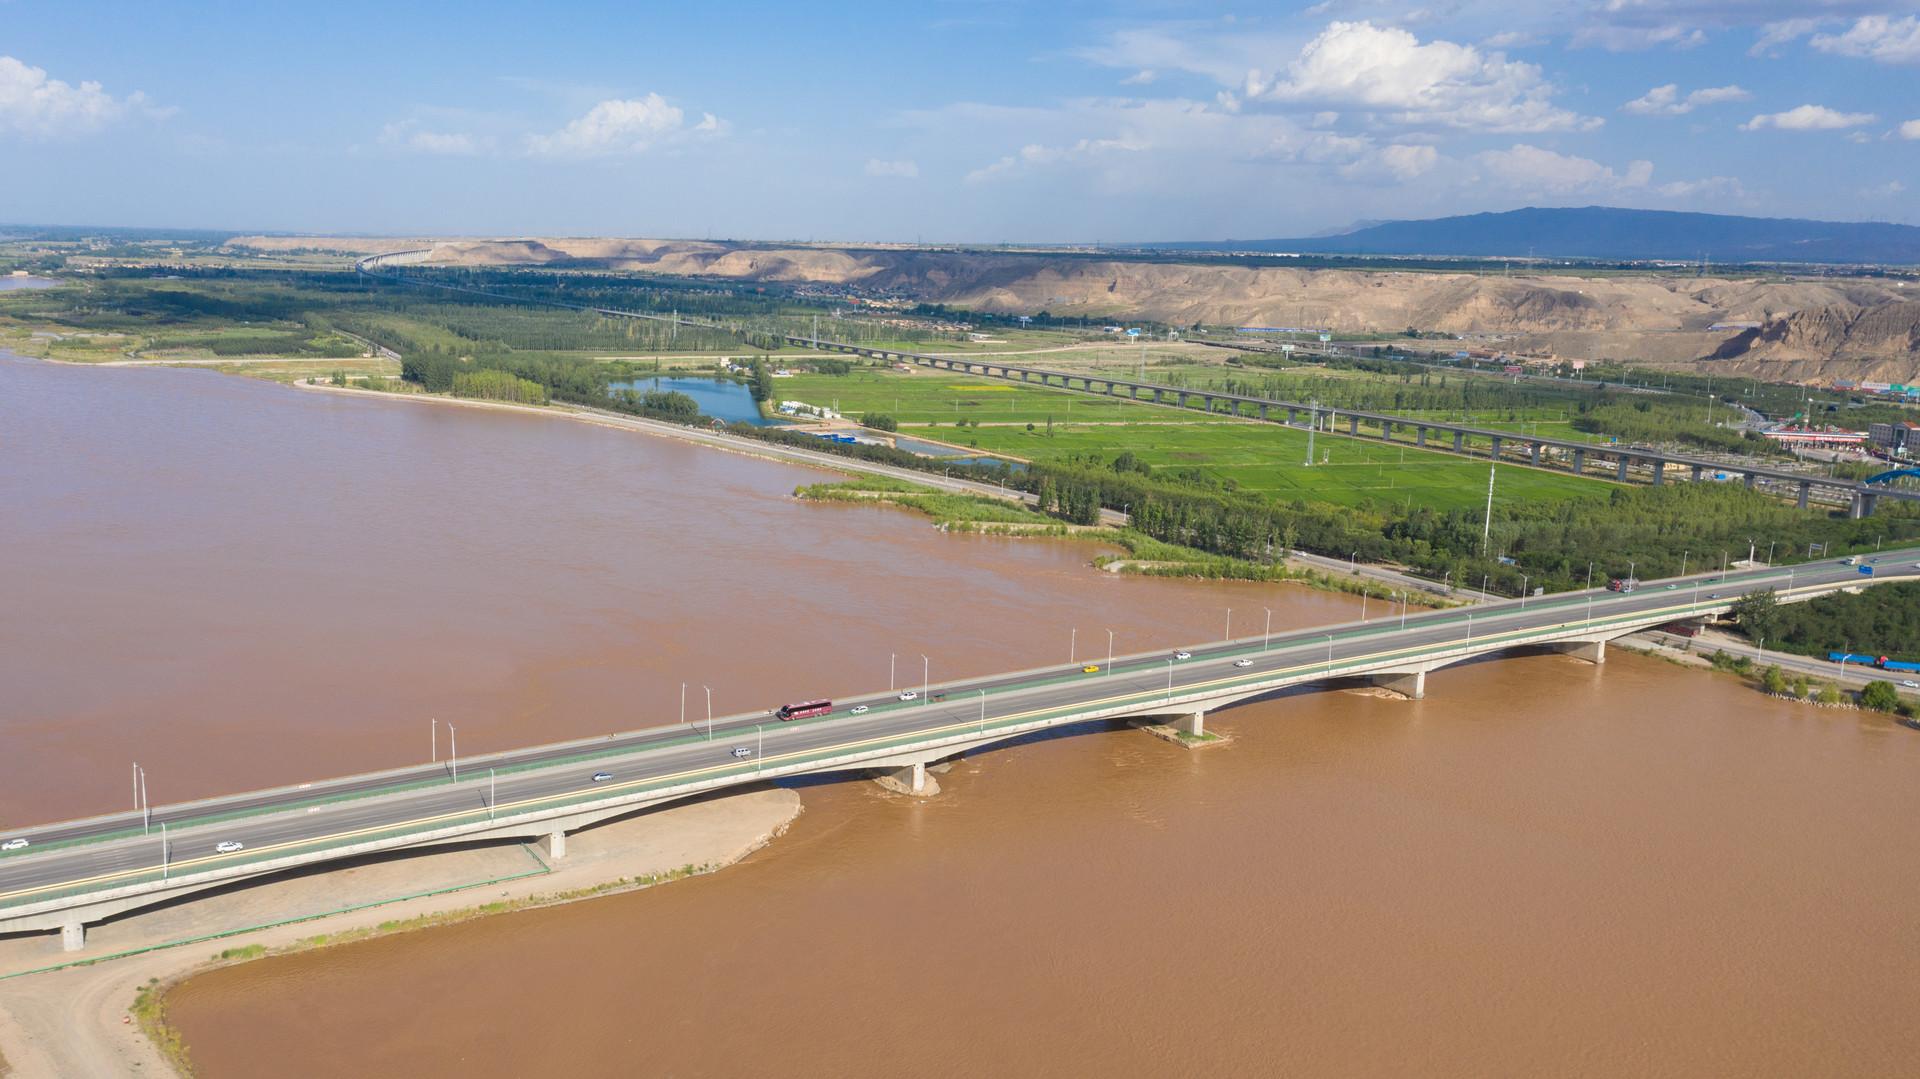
(1269, 459)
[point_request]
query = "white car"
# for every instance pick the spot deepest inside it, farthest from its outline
(1907, 682)
(908, 695)
(602, 777)
(1243, 663)
(14, 844)
(1183, 655)
(742, 751)
(859, 710)
(229, 846)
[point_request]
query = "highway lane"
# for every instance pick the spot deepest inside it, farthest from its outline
(648, 756)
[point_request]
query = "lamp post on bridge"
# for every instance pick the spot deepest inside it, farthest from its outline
(1073, 645)
(709, 690)
(1109, 651)
(683, 704)
(890, 659)
(433, 752)
(1268, 635)
(1524, 581)
(1683, 561)
(1169, 680)
(1229, 637)
(926, 679)
(163, 850)
(1329, 655)
(453, 748)
(489, 794)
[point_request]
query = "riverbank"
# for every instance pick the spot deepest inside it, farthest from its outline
(65, 1014)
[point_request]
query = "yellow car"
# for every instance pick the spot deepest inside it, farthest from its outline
(1091, 668)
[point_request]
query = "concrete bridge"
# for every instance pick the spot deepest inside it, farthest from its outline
(78, 872)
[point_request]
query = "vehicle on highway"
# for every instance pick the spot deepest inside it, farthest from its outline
(1622, 584)
(1671, 587)
(1906, 683)
(742, 751)
(1850, 560)
(859, 709)
(602, 777)
(909, 695)
(1183, 655)
(1713, 595)
(803, 709)
(938, 697)
(14, 844)
(1091, 668)
(229, 846)
(1243, 663)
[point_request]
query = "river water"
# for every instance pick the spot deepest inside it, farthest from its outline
(1543, 868)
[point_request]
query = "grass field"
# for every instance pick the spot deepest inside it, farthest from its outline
(925, 398)
(1268, 459)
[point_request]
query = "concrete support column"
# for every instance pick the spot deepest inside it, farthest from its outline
(1659, 472)
(1420, 436)
(1579, 460)
(1407, 685)
(1183, 397)
(73, 936)
(1353, 425)
(1459, 442)
(1591, 651)
(1533, 455)
(1698, 471)
(1750, 479)
(1193, 724)
(1805, 490)
(1497, 443)
(1293, 416)
(556, 844)
(1622, 477)
(1263, 412)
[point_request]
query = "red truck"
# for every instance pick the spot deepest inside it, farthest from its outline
(1622, 584)
(803, 710)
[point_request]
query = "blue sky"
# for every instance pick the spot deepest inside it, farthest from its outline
(965, 120)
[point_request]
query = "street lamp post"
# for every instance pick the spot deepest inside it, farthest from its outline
(163, 850)
(1524, 581)
(709, 690)
(1268, 634)
(890, 658)
(489, 794)
(983, 710)
(1363, 605)
(926, 678)
(453, 747)
(1169, 680)
(1073, 645)
(1329, 655)
(1109, 651)
(434, 746)
(683, 704)
(1229, 637)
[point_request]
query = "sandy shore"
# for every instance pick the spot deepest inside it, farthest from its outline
(69, 1014)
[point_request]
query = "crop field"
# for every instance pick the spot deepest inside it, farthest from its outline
(1269, 459)
(926, 398)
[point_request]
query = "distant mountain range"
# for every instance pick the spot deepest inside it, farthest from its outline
(1611, 233)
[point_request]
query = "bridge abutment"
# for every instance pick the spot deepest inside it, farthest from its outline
(73, 936)
(911, 779)
(556, 844)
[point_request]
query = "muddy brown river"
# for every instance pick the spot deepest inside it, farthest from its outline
(1545, 868)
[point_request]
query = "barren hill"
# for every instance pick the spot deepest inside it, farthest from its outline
(1646, 317)
(1835, 341)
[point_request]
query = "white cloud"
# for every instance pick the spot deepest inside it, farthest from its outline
(1910, 129)
(1808, 118)
(1888, 190)
(1397, 162)
(1773, 35)
(33, 104)
(1666, 100)
(623, 126)
(1536, 170)
(449, 143)
(1876, 37)
(1719, 188)
(1387, 70)
(1035, 155)
(1513, 39)
(903, 169)
(1142, 77)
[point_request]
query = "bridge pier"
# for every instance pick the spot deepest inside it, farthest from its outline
(1497, 441)
(1459, 442)
(1533, 455)
(1622, 477)
(1412, 686)
(1293, 416)
(1193, 724)
(1862, 505)
(1750, 479)
(1594, 652)
(557, 844)
(1580, 462)
(1353, 425)
(1263, 410)
(1805, 490)
(1659, 472)
(1698, 470)
(73, 936)
(1420, 436)
(911, 779)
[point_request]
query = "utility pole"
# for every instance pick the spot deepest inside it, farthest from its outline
(1486, 529)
